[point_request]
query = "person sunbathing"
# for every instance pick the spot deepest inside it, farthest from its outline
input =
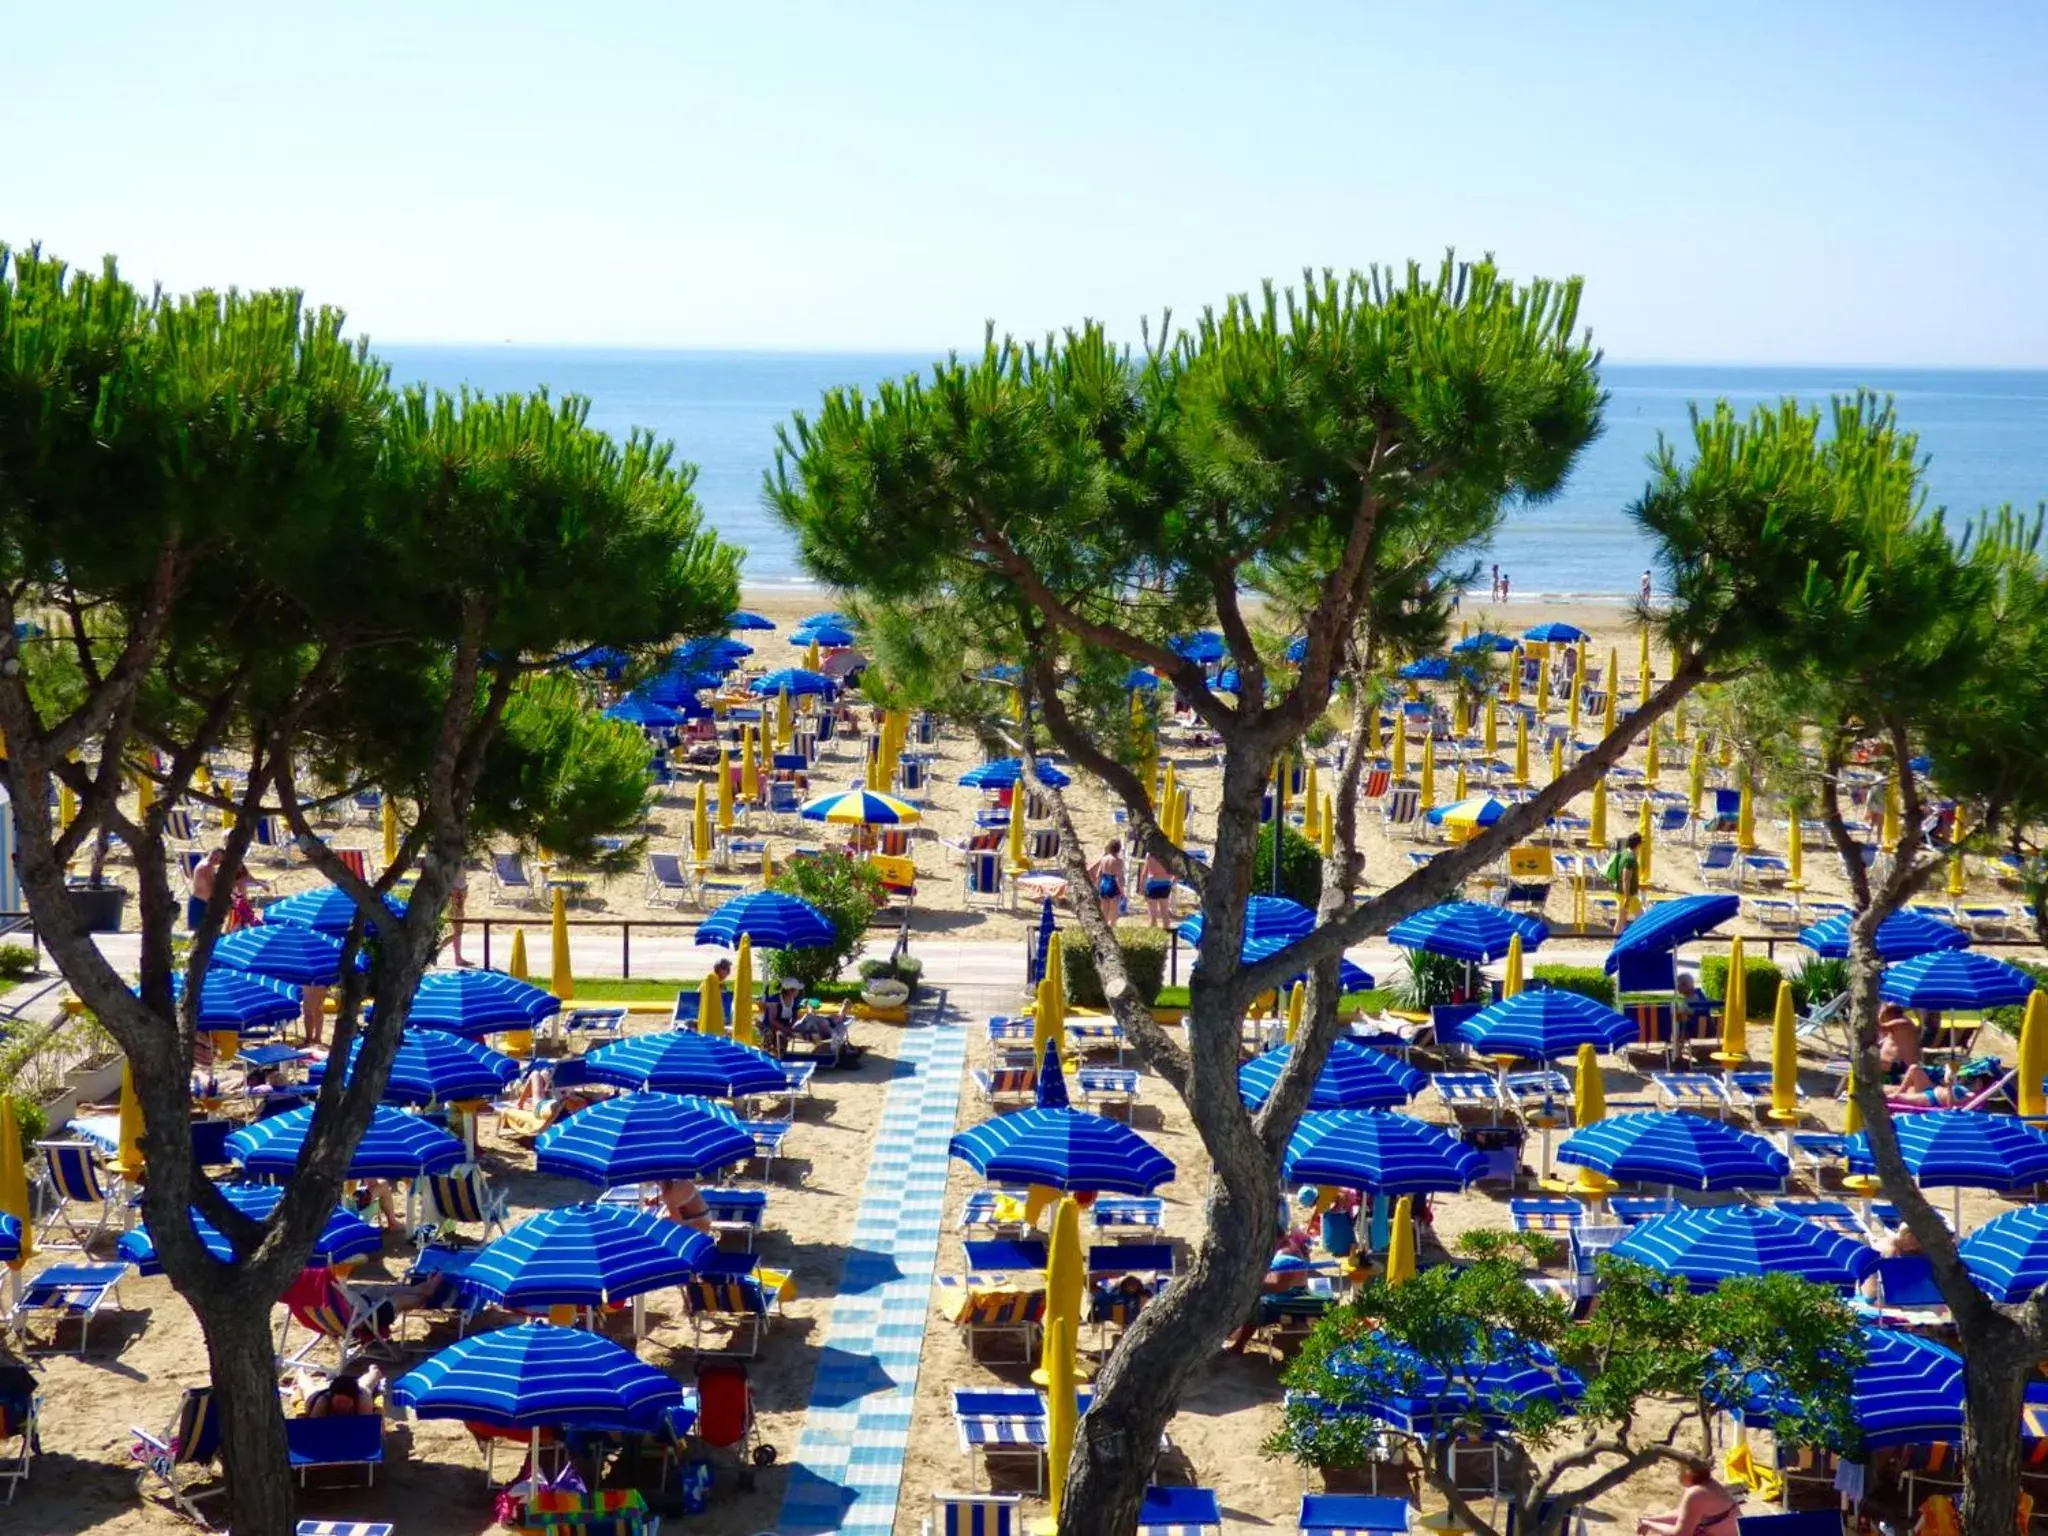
(1288, 1271)
(1705, 1508)
(353, 1391)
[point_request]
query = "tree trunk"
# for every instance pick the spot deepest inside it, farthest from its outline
(239, 1349)
(1994, 1395)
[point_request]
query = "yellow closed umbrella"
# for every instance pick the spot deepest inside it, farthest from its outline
(1613, 680)
(1372, 728)
(700, 829)
(1643, 850)
(518, 1042)
(516, 966)
(724, 793)
(782, 720)
(1458, 790)
(1572, 687)
(1795, 873)
(1651, 766)
(1589, 1107)
(1521, 750)
(390, 815)
(811, 657)
(1643, 667)
(1490, 729)
(1311, 806)
(750, 767)
(1745, 818)
(1958, 877)
(1511, 981)
(129, 1157)
(1864, 1184)
(67, 806)
(1400, 749)
(1888, 830)
(145, 794)
(560, 982)
(14, 1181)
(767, 865)
(1016, 833)
(1428, 772)
(1515, 677)
(1169, 785)
(874, 770)
(1401, 1242)
(743, 1030)
(1062, 1412)
(1460, 717)
(1326, 845)
(1066, 1275)
(1596, 822)
(710, 1005)
(1556, 758)
(1785, 1058)
(1696, 779)
(1297, 996)
(1734, 1010)
(2033, 1067)
(1180, 818)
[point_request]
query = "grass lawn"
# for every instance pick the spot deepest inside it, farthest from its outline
(663, 989)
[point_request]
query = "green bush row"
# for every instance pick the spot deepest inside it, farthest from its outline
(1144, 951)
(1586, 980)
(1378, 1000)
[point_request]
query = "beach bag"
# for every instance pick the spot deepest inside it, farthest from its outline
(1611, 870)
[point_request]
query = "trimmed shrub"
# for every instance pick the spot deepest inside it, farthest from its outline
(1378, 1000)
(1144, 951)
(848, 891)
(1301, 867)
(1760, 979)
(16, 962)
(1586, 980)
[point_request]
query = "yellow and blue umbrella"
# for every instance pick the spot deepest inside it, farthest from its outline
(860, 808)
(1471, 811)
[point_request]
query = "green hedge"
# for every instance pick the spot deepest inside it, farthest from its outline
(1144, 950)
(1378, 1000)
(1760, 980)
(1586, 980)
(1301, 867)
(1818, 980)
(2009, 1019)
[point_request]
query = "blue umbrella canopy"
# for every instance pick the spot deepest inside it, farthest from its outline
(1051, 1092)
(599, 658)
(346, 1236)
(1669, 924)
(1004, 772)
(2008, 1255)
(1714, 1243)
(1899, 937)
(1907, 1391)
(1063, 1149)
(479, 1002)
(771, 919)
(1543, 1023)
(1484, 641)
(1351, 977)
(586, 1256)
(710, 647)
(1203, 645)
(1141, 678)
(327, 909)
(1962, 1149)
(828, 616)
(396, 1146)
(1500, 1371)
(1955, 979)
(642, 1138)
(434, 1067)
(1355, 1077)
(10, 1238)
(683, 1061)
(283, 952)
(1557, 634)
(1265, 917)
(1473, 810)
(1467, 930)
(826, 634)
(797, 680)
(1427, 669)
(744, 618)
(1374, 1150)
(237, 1000)
(645, 713)
(678, 689)
(1690, 1151)
(534, 1376)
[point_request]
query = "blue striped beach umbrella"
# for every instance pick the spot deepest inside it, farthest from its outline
(586, 1256)
(237, 1000)
(772, 919)
(1351, 977)
(1899, 937)
(1715, 1243)
(1686, 1151)
(284, 952)
(1907, 1391)
(479, 1002)
(1962, 1149)
(1958, 979)
(1355, 1077)
(829, 616)
(10, 1238)
(827, 634)
(635, 709)
(396, 1146)
(1557, 634)
(858, 808)
(2008, 1255)
(797, 680)
(1204, 645)
(1265, 917)
(432, 1066)
(744, 618)
(683, 1061)
(1484, 642)
(1063, 1149)
(326, 909)
(1426, 669)
(1004, 772)
(678, 688)
(1501, 1371)
(345, 1237)
(537, 1376)
(1475, 931)
(1544, 1023)
(643, 1138)
(1372, 1149)
(1669, 924)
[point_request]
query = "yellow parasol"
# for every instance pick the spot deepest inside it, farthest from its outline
(561, 981)
(1795, 874)
(1515, 677)
(1401, 1242)
(1589, 1107)
(1864, 1184)
(67, 806)
(1648, 832)
(1490, 730)
(1458, 788)
(1596, 823)
(1643, 667)
(1888, 831)
(1958, 878)
(1062, 1411)
(1049, 1019)
(516, 966)
(1511, 981)
(1400, 749)
(750, 767)
(1460, 727)
(1169, 785)
(14, 1180)
(1696, 779)
(1521, 750)
(1745, 818)
(710, 1005)
(1015, 836)
(782, 723)
(873, 780)
(1372, 728)
(1785, 1058)
(1066, 1273)
(1613, 681)
(724, 793)
(390, 831)
(767, 866)
(1428, 773)
(1326, 845)
(1311, 806)
(1556, 758)
(700, 828)
(1297, 995)
(1572, 671)
(129, 1158)
(145, 793)
(2034, 1057)
(1734, 1010)
(743, 1030)
(811, 657)
(1651, 766)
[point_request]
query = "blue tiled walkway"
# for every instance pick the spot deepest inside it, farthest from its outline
(849, 1459)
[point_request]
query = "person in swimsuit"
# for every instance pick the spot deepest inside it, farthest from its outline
(203, 879)
(1107, 873)
(1705, 1508)
(352, 1392)
(1158, 892)
(682, 1201)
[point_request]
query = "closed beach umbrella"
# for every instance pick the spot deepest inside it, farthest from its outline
(1735, 1008)
(1428, 801)
(561, 980)
(711, 1005)
(1400, 764)
(1466, 930)
(1401, 1242)
(283, 952)
(345, 1238)
(1596, 823)
(1311, 806)
(1521, 750)
(129, 1157)
(1545, 1025)
(1888, 828)
(2008, 1255)
(1371, 1149)
(1696, 779)
(432, 1066)
(1589, 1090)
(1062, 1411)
(473, 1001)
(1489, 728)
(743, 1030)
(1297, 999)
(586, 1256)
(1962, 1149)
(858, 807)
(1063, 1149)
(772, 919)
(1955, 978)
(396, 1145)
(1511, 979)
(14, 1186)
(1685, 1151)
(515, 963)
(683, 1061)
(700, 827)
(643, 1138)
(537, 1376)
(1613, 690)
(783, 726)
(750, 767)
(1901, 936)
(2033, 1064)
(1669, 924)
(725, 793)
(1647, 827)
(1785, 1057)
(328, 909)
(1355, 1076)
(1066, 1278)
(1651, 766)
(1265, 917)
(1724, 1242)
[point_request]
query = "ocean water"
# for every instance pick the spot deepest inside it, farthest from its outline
(1985, 435)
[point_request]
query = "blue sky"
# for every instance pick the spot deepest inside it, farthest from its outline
(1814, 182)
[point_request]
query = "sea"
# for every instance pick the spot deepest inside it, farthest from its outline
(1984, 435)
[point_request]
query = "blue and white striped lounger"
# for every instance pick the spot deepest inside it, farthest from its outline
(1351, 1514)
(1180, 1512)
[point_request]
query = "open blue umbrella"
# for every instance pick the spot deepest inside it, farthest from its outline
(1714, 1243)
(1484, 641)
(797, 680)
(1543, 1023)
(538, 1376)
(2008, 1255)
(1907, 1391)
(645, 713)
(237, 1000)
(1204, 645)
(345, 1237)
(434, 1067)
(479, 1002)
(1688, 1151)
(1351, 977)
(1063, 1149)
(327, 909)
(1955, 979)
(1557, 634)
(683, 1061)
(1962, 1149)
(707, 646)
(828, 616)
(586, 1256)
(677, 689)
(772, 919)
(396, 1146)
(1426, 669)
(1419, 1397)
(1141, 679)
(1355, 1077)
(1004, 772)
(1899, 937)
(744, 618)
(825, 634)
(1374, 1150)
(599, 658)
(643, 1138)
(1467, 930)
(1669, 924)
(1265, 917)
(283, 952)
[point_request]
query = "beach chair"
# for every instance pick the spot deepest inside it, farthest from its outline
(1179, 1511)
(999, 1085)
(511, 881)
(975, 1514)
(1103, 1089)
(737, 1303)
(173, 1462)
(66, 1291)
(1702, 1091)
(1719, 866)
(1545, 1215)
(736, 1212)
(72, 1171)
(463, 1197)
(1531, 872)
(1402, 807)
(346, 1442)
(899, 878)
(1351, 1514)
(18, 1412)
(668, 881)
(983, 1309)
(1000, 1421)
(1122, 1217)
(331, 1313)
(1656, 1031)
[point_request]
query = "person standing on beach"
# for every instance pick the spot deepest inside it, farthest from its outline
(1503, 586)
(1108, 874)
(1494, 591)
(1627, 878)
(1646, 586)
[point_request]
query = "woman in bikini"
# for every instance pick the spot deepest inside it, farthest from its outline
(1705, 1508)
(1158, 891)
(682, 1201)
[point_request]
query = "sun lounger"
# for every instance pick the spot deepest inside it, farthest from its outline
(1128, 1215)
(1545, 1215)
(510, 879)
(1179, 1511)
(1104, 1088)
(1468, 1093)
(347, 1442)
(975, 1514)
(993, 1420)
(67, 1291)
(994, 1210)
(71, 1169)
(180, 1457)
(1703, 1091)
(667, 880)
(463, 1196)
(990, 1306)
(997, 1086)
(737, 1302)
(1835, 1215)
(737, 1211)
(1633, 1210)
(1351, 1514)
(343, 1528)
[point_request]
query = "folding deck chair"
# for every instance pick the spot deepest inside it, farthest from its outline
(63, 1291)
(18, 1445)
(72, 1171)
(330, 1312)
(175, 1461)
(999, 1421)
(738, 1302)
(1179, 1511)
(999, 1085)
(668, 880)
(464, 1197)
(354, 1440)
(510, 879)
(975, 1514)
